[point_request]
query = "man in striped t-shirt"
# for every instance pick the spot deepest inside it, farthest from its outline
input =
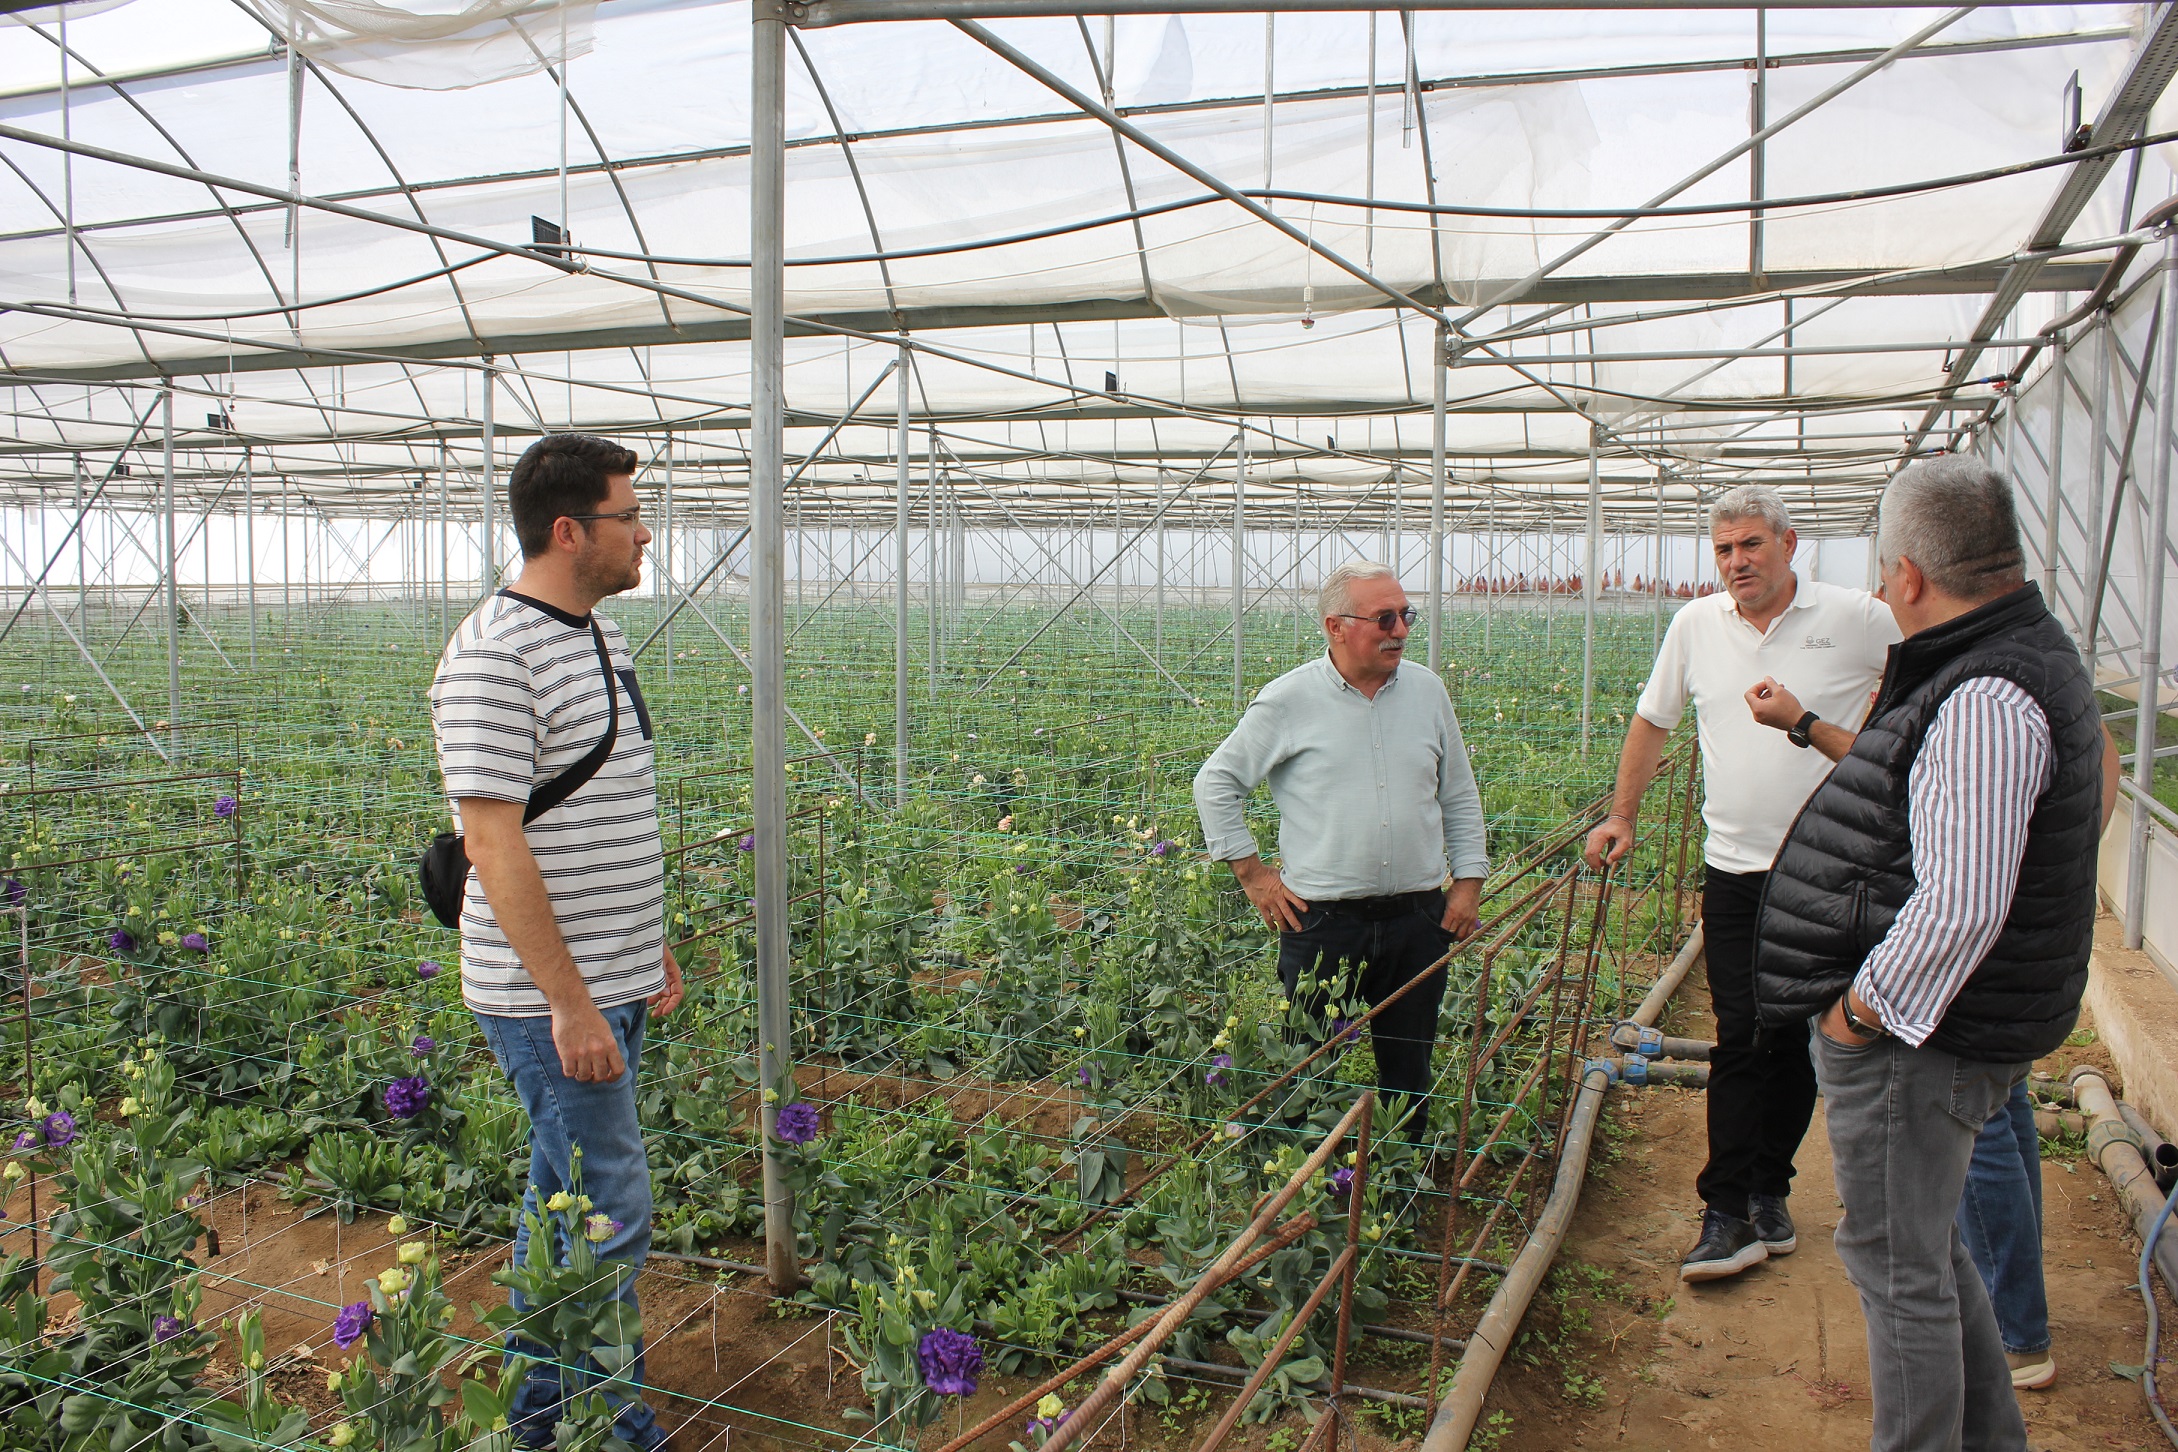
(563, 952)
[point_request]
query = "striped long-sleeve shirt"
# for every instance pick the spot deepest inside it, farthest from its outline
(1970, 794)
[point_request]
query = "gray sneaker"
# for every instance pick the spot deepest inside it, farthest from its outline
(1773, 1224)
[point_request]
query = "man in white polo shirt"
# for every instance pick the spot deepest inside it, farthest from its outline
(1828, 646)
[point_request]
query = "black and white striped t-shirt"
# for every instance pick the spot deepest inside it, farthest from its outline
(518, 699)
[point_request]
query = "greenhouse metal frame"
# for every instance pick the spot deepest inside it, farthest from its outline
(908, 319)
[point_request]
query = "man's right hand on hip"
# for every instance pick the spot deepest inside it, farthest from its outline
(589, 1054)
(1268, 891)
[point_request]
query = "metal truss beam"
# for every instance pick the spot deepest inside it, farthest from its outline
(810, 14)
(2146, 75)
(1652, 287)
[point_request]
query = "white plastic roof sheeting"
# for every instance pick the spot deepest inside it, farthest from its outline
(1199, 311)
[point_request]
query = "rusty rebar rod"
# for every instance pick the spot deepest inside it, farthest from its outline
(1291, 1231)
(1115, 1381)
(1340, 1269)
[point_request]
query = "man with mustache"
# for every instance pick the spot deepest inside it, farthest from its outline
(1828, 644)
(1377, 809)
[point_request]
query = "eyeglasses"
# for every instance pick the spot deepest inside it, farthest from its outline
(1384, 618)
(625, 516)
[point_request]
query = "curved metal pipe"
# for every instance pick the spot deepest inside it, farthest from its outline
(2156, 216)
(2112, 1145)
(1462, 1404)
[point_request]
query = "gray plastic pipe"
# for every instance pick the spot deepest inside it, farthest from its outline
(1462, 1404)
(2112, 1144)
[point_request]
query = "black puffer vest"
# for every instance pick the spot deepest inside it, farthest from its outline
(1847, 864)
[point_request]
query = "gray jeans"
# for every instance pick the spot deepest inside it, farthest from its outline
(1902, 1124)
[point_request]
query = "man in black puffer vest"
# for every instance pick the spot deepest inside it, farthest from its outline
(1932, 910)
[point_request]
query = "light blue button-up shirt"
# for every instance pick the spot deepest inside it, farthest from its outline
(1374, 796)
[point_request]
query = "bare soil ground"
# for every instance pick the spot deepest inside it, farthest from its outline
(1620, 1353)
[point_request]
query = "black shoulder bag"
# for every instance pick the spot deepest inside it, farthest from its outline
(444, 869)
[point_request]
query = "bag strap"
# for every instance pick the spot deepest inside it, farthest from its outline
(576, 777)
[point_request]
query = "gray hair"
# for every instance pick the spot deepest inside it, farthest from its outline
(1955, 518)
(1336, 597)
(1753, 501)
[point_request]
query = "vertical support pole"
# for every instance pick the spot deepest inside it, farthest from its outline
(445, 568)
(1240, 560)
(1591, 567)
(2151, 643)
(673, 566)
(1157, 639)
(1495, 583)
(1438, 363)
(2098, 456)
(490, 529)
(930, 567)
(169, 550)
(1758, 105)
(1656, 573)
(83, 622)
(767, 601)
(249, 542)
(2061, 376)
(902, 484)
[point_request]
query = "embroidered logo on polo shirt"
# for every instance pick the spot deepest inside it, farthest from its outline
(1817, 642)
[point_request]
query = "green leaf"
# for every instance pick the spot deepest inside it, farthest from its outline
(2130, 1373)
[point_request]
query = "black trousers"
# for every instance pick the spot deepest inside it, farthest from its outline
(1761, 1086)
(1382, 954)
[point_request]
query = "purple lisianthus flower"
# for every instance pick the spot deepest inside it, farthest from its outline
(1161, 849)
(121, 940)
(29, 1139)
(747, 843)
(196, 942)
(951, 1361)
(424, 1044)
(16, 892)
(428, 970)
(1345, 1031)
(406, 1098)
(1215, 1076)
(1342, 1181)
(1082, 1074)
(797, 1123)
(351, 1323)
(1022, 869)
(224, 807)
(166, 1328)
(60, 1129)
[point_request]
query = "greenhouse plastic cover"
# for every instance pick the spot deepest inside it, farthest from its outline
(951, 148)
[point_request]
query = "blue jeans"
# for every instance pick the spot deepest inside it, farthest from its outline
(615, 1175)
(2000, 1218)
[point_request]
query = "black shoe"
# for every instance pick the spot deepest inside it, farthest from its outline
(1772, 1223)
(1728, 1246)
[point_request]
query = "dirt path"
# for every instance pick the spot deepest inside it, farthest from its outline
(1620, 1353)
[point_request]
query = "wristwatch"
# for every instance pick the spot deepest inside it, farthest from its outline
(1796, 733)
(1855, 1022)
